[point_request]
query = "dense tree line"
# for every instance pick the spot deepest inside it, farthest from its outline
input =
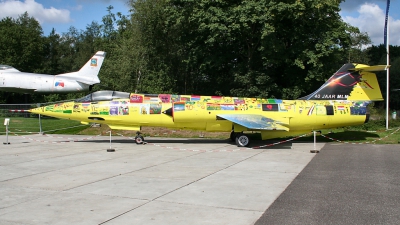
(268, 48)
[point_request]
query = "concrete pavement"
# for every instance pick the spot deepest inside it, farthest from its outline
(74, 180)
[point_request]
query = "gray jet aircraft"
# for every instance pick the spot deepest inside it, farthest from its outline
(13, 80)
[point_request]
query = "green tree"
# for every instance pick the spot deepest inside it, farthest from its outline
(155, 56)
(117, 38)
(21, 43)
(21, 46)
(359, 41)
(247, 48)
(378, 56)
(394, 77)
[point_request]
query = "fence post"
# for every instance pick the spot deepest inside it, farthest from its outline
(40, 121)
(6, 122)
(315, 150)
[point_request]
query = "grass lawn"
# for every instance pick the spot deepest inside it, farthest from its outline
(49, 125)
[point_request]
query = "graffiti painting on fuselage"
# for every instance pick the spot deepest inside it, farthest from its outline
(145, 104)
(146, 109)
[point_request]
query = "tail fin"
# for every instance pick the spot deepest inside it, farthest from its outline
(88, 74)
(350, 82)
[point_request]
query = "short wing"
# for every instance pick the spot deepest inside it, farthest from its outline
(256, 122)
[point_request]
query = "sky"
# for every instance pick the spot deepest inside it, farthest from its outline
(367, 15)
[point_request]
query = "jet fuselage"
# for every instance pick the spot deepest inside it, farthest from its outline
(273, 117)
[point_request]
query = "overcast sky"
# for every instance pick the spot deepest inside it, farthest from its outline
(368, 16)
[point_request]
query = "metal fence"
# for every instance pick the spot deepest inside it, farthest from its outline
(12, 112)
(16, 110)
(22, 121)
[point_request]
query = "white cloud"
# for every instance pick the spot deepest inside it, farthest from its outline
(13, 9)
(353, 5)
(77, 8)
(371, 19)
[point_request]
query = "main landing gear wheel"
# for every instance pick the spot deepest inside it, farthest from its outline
(232, 137)
(139, 139)
(242, 140)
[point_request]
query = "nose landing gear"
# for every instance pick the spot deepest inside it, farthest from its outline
(139, 139)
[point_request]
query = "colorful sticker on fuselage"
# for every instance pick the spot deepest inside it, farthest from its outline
(165, 98)
(286, 107)
(216, 99)
(155, 108)
(227, 107)
(77, 108)
(58, 108)
(123, 110)
(195, 98)
(179, 107)
(49, 108)
(151, 99)
(341, 109)
(134, 98)
(270, 107)
(213, 106)
(185, 98)
(145, 109)
(227, 100)
(85, 107)
(175, 98)
(241, 107)
(114, 108)
(239, 101)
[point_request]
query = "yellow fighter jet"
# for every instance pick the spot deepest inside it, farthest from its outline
(341, 101)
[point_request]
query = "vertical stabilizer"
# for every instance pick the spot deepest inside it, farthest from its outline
(350, 82)
(88, 74)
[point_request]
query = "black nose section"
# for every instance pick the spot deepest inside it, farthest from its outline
(169, 112)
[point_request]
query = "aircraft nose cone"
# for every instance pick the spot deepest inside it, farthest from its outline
(37, 110)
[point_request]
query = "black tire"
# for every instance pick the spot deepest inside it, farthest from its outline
(233, 136)
(139, 139)
(242, 140)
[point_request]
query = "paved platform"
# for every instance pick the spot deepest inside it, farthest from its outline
(74, 180)
(343, 184)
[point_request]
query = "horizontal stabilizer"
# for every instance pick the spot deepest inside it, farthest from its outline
(256, 122)
(366, 68)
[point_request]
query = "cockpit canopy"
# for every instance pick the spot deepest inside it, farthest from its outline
(7, 67)
(103, 96)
